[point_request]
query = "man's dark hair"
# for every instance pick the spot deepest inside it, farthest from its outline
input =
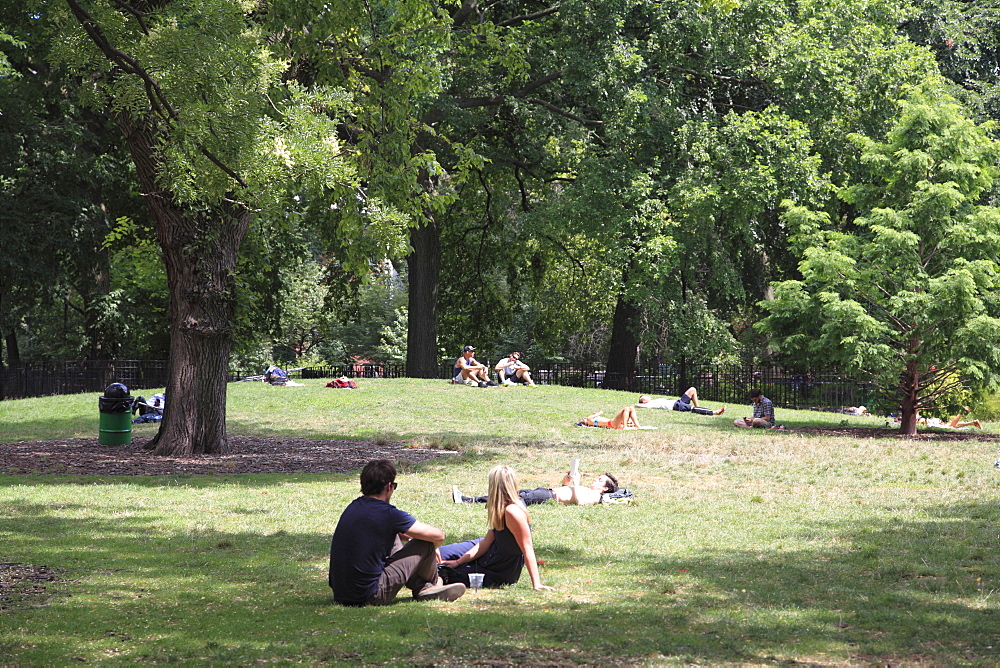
(611, 484)
(755, 393)
(376, 475)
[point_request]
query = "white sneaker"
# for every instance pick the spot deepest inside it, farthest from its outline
(508, 381)
(469, 381)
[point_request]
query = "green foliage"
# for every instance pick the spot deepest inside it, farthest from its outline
(905, 290)
(392, 340)
(63, 185)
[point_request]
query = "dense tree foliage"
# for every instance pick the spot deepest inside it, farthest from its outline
(907, 290)
(600, 181)
(216, 137)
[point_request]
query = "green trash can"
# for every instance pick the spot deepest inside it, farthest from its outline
(116, 416)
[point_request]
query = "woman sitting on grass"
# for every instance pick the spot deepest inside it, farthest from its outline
(505, 548)
(624, 419)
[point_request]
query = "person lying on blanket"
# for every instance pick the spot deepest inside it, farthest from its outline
(571, 493)
(624, 419)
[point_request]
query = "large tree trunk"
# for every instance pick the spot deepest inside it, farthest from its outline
(620, 373)
(200, 248)
(424, 264)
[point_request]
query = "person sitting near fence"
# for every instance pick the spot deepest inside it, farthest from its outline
(275, 375)
(763, 412)
(470, 371)
(570, 493)
(511, 370)
(687, 402)
(626, 418)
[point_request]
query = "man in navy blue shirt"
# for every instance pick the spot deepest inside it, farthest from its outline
(369, 563)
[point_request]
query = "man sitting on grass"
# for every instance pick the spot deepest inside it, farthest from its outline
(763, 413)
(368, 562)
(470, 371)
(571, 493)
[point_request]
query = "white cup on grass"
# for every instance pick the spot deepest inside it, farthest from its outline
(475, 581)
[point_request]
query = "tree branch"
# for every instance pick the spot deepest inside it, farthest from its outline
(157, 98)
(153, 91)
(464, 12)
(139, 16)
(561, 112)
(569, 254)
(218, 163)
(529, 17)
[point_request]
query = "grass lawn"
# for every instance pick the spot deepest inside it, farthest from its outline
(744, 547)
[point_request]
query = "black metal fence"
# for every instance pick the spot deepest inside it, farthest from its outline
(48, 378)
(788, 388)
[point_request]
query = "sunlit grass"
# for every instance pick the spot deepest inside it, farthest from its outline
(742, 548)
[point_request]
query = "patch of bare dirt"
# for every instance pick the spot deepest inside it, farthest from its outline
(23, 585)
(84, 456)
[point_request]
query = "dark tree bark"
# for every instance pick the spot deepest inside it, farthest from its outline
(200, 250)
(424, 264)
(13, 350)
(620, 373)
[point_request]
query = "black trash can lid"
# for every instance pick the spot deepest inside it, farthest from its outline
(116, 391)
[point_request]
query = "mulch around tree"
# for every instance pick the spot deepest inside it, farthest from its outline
(25, 585)
(85, 456)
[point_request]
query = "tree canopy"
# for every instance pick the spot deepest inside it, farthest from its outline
(905, 288)
(594, 181)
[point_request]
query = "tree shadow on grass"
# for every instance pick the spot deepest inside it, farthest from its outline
(916, 592)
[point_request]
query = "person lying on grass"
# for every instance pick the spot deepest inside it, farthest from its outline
(368, 562)
(624, 419)
(687, 402)
(571, 493)
(955, 423)
(505, 549)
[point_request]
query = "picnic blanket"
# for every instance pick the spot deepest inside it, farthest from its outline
(621, 496)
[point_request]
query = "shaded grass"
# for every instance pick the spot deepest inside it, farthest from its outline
(744, 547)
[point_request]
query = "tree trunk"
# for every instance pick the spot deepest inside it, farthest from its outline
(620, 373)
(13, 350)
(424, 264)
(200, 248)
(909, 386)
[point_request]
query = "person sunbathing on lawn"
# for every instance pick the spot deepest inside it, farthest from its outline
(626, 418)
(955, 423)
(687, 402)
(570, 493)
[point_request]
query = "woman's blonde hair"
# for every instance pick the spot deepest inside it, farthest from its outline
(501, 493)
